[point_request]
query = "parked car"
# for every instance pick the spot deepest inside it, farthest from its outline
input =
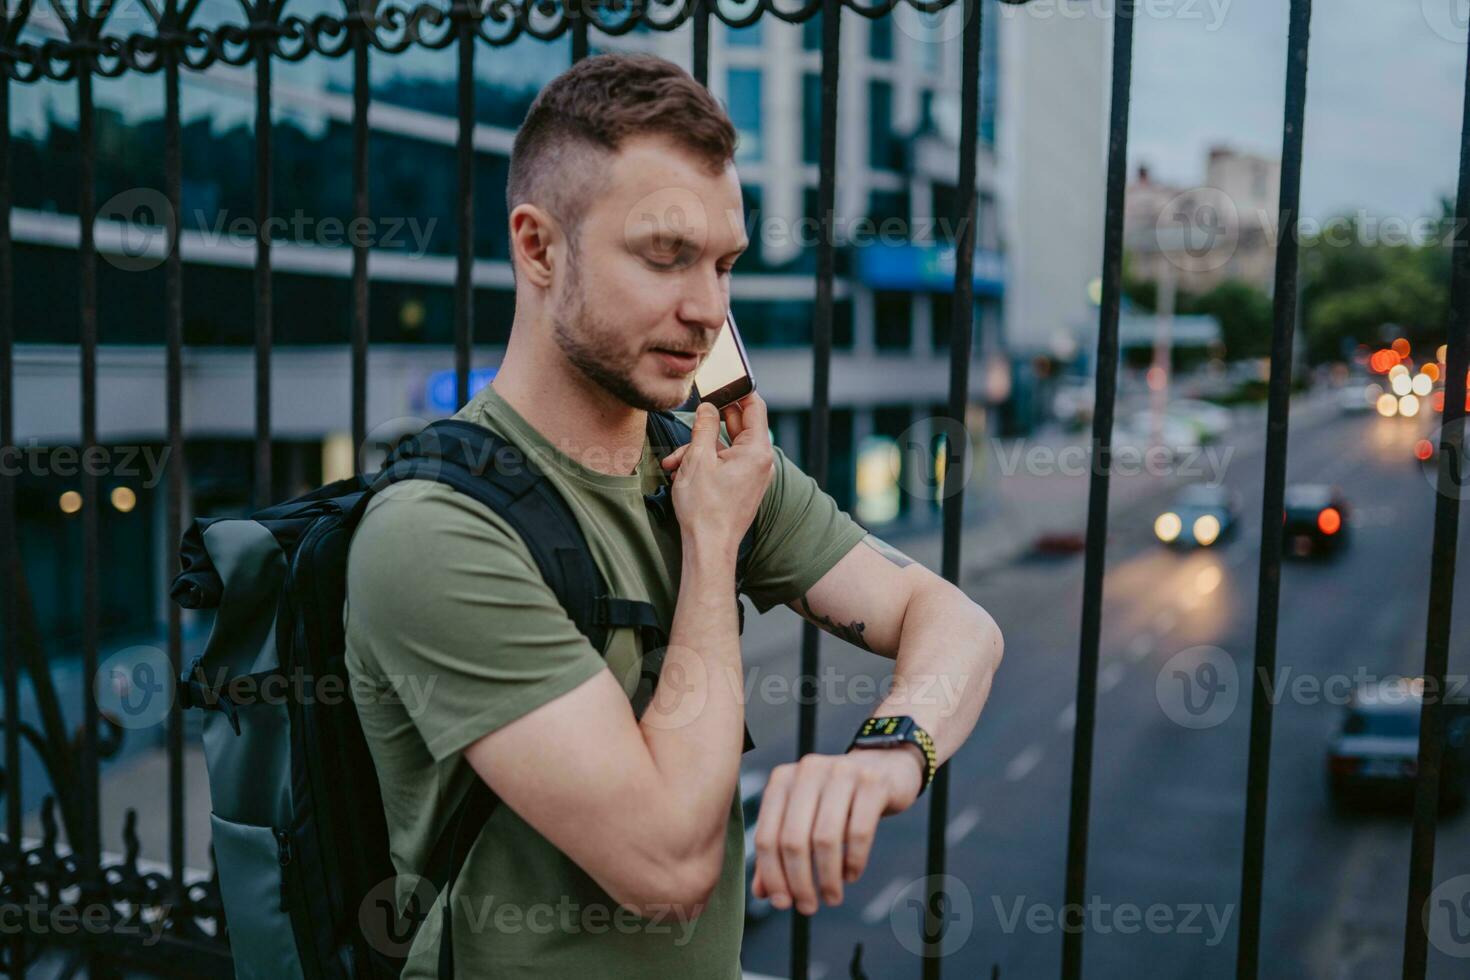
(1316, 520)
(1199, 516)
(1374, 757)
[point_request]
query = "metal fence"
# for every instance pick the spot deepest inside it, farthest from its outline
(365, 29)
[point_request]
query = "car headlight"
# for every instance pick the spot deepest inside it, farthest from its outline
(1168, 526)
(1206, 529)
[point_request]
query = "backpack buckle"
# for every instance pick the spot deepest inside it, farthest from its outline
(194, 692)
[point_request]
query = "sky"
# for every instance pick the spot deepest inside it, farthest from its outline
(1385, 86)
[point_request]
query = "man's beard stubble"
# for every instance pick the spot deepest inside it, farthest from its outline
(595, 349)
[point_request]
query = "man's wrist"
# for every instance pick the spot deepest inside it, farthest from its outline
(711, 557)
(903, 768)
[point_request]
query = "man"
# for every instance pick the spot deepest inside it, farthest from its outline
(618, 850)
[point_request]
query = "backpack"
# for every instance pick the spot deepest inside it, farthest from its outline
(299, 833)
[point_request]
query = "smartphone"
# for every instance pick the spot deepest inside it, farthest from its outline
(725, 376)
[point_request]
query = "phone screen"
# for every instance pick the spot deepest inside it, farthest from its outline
(724, 365)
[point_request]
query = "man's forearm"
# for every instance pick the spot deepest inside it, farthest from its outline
(948, 651)
(694, 725)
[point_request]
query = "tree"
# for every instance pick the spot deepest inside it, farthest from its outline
(1355, 285)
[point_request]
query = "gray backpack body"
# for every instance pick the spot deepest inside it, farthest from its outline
(299, 834)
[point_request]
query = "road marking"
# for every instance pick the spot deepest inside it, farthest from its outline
(1068, 718)
(1109, 678)
(1023, 763)
(1141, 647)
(877, 910)
(960, 826)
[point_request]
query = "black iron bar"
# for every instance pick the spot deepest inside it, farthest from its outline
(89, 842)
(360, 205)
(174, 331)
(817, 454)
(956, 446)
(263, 206)
(1278, 409)
(1450, 486)
(8, 557)
(464, 287)
(1097, 495)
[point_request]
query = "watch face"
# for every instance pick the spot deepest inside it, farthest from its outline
(877, 740)
(883, 726)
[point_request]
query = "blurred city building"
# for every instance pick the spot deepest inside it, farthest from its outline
(1038, 238)
(1222, 229)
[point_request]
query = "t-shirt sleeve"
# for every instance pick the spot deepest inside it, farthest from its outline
(447, 607)
(800, 533)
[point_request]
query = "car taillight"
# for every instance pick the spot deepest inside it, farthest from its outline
(1344, 765)
(1329, 521)
(1423, 449)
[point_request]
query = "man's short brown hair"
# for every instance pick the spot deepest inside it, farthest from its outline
(581, 118)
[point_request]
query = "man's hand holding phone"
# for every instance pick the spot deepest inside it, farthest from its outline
(718, 488)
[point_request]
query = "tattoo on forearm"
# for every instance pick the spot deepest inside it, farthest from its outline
(852, 632)
(887, 551)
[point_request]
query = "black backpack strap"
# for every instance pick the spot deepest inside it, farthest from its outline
(667, 432)
(486, 467)
(449, 856)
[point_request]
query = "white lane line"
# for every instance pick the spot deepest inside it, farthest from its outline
(1109, 677)
(1141, 647)
(1023, 763)
(877, 910)
(961, 824)
(1067, 720)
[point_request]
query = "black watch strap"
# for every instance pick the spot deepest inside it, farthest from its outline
(893, 730)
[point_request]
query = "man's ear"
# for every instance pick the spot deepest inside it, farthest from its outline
(533, 233)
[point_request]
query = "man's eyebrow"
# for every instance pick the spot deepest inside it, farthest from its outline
(679, 242)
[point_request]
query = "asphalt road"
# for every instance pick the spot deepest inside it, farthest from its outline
(1168, 800)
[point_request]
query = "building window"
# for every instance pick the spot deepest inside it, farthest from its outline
(744, 37)
(744, 98)
(882, 147)
(893, 327)
(889, 212)
(811, 118)
(880, 38)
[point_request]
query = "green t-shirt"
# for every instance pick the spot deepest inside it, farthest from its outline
(449, 621)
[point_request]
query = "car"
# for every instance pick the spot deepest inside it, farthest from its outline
(752, 790)
(1316, 520)
(1210, 421)
(1358, 398)
(1374, 755)
(1177, 437)
(1199, 516)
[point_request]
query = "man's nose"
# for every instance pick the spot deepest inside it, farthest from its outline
(705, 300)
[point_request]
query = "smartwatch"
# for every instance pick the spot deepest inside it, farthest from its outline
(882, 733)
